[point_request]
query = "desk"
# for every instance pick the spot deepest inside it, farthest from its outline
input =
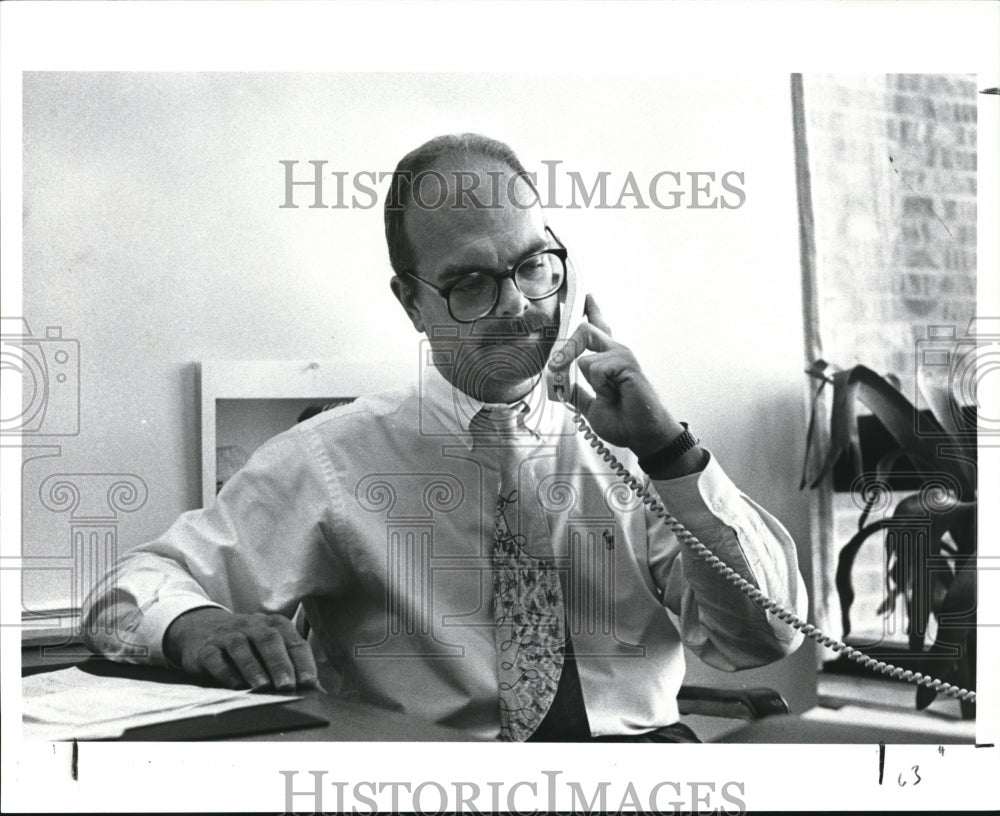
(791, 729)
(356, 722)
(345, 721)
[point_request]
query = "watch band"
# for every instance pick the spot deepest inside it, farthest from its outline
(670, 453)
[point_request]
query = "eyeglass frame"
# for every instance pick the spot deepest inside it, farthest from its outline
(445, 291)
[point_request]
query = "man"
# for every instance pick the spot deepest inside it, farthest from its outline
(460, 551)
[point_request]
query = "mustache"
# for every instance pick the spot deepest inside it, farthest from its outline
(499, 329)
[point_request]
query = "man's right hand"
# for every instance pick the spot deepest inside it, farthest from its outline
(258, 650)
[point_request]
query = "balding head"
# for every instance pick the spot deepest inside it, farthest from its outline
(456, 172)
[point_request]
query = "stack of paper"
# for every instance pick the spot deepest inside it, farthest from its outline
(72, 704)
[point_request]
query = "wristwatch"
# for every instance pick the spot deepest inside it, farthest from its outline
(670, 453)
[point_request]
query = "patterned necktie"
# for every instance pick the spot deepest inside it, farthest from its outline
(527, 595)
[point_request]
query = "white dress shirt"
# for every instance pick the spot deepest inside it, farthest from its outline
(377, 517)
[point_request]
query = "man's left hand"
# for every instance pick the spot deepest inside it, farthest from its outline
(624, 408)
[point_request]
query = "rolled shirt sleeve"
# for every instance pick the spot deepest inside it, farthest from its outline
(261, 547)
(718, 622)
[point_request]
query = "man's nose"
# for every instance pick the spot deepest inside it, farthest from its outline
(511, 302)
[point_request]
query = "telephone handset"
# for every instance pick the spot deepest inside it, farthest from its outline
(571, 315)
(559, 385)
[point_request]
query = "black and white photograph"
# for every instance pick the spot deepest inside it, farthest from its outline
(384, 383)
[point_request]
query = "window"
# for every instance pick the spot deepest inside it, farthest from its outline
(887, 180)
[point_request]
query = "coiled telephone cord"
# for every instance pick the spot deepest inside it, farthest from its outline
(748, 589)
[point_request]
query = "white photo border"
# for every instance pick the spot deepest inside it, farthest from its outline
(950, 36)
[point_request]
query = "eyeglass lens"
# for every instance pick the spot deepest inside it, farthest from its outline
(536, 277)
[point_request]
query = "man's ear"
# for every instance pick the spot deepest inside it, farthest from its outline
(405, 294)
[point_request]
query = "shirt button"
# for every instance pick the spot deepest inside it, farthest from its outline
(719, 505)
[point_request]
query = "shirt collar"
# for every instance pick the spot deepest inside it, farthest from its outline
(455, 409)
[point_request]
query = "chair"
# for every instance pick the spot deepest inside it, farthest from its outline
(737, 704)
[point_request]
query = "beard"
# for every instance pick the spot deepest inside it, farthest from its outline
(502, 358)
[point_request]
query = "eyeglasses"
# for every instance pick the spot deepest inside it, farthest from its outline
(538, 276)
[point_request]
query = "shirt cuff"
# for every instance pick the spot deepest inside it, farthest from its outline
(153, 623)
(700, 500)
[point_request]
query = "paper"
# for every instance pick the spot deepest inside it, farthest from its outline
(73, 704)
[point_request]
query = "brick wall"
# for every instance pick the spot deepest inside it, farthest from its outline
(892, 160)
(893, 167)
